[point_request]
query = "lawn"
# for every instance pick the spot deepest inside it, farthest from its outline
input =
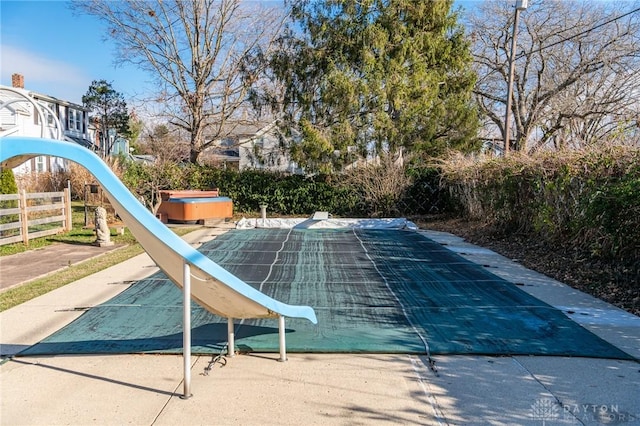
(79, 234)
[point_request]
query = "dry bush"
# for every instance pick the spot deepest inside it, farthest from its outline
(381, 186)
(42, 182)
(480, 182)
(79, 176)
(590, 196)
(76, 178)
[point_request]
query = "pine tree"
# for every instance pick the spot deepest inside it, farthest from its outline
(7, 182)
(110, 110)
(375, 76)
(8, 186)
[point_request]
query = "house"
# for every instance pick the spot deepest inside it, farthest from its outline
(263, 150)
(26, 113)
(254, 145)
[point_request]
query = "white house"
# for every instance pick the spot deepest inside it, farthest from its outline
(252, 146)
(26, 113)
(263, 150)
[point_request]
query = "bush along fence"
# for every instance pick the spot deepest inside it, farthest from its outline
(373, 190)
(26, 216)
(589, 197)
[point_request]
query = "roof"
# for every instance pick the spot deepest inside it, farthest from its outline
(43, 97)
(80, 141)
(6, 96)
(242, 129)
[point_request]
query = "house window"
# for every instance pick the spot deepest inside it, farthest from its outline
(74, 120)
(49, 111)
(40, 164)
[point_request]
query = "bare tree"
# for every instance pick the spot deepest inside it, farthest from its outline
(201, 52)
(164, 145)
(576, 70)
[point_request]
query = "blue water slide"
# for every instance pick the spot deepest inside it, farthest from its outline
(213, 287)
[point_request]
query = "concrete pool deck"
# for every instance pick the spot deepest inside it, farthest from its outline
(311, 389)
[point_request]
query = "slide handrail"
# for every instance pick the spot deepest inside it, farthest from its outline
(213, 287)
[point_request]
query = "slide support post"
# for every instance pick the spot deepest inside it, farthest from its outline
(283, 346)
(186, 330)
(231, 338)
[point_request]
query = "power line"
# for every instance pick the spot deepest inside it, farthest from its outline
(579, 34)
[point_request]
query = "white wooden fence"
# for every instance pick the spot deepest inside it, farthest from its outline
(36, 215)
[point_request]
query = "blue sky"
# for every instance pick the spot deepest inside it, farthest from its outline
(60, 52)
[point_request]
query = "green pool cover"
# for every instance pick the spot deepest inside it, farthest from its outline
(374, 291)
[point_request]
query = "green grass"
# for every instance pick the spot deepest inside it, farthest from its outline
(16, 296)
(33, 289)
(78, 235)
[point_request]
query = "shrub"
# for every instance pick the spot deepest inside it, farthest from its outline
(590, 197)
(8, 182)
(8, 186)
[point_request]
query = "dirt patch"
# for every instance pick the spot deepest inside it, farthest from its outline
(618, 284)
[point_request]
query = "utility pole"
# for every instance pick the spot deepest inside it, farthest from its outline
(520, 5)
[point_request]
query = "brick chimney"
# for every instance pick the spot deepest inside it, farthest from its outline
(17, 80)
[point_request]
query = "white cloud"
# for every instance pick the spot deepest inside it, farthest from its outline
(43, 75)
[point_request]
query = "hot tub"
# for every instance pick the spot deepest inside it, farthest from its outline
(190, 206)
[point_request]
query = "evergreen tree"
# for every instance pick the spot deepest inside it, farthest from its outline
(110, 109)
(374, 76)
(8, 186)
(7, 182)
